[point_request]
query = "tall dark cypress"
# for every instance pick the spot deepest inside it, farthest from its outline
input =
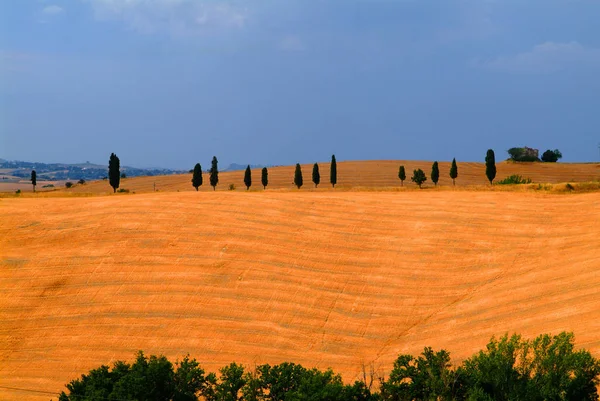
(33, 179)
(454, 171)
(248, 178)
(333, 171)
(402, 175)
(490, 166)
(298, 181)
(264, 177)
(197, 176)
(114, 173)
(435, 173)
(214, 173)
(316, 176)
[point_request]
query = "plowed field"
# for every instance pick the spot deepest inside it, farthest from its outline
(326, 279)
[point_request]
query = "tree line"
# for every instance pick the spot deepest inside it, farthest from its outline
(418, 177)
(197, 179)
(510, 368)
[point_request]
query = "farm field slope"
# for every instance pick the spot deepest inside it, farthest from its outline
(366, 174)
(323, 279)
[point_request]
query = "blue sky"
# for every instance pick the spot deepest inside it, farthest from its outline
(172, 82)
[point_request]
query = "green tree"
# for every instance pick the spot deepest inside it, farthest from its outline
(551, 156)
(402, 175)
(197, 176)
(114, 173)
(33, 179)
(265, 177)
(333, 171)
(214, 173)
(231, 382)
(418, 177)
(316, 176)
(435, 173)
(298, 176)
(454, 171)
(490, 166)
(248, 178)
(188, 379)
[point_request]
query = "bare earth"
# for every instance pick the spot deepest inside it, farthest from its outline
(325, 279)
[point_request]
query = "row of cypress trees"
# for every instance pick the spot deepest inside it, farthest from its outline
(418, 177)
(197, 179)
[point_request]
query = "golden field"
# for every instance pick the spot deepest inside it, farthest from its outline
(325, 279)
(368, 175)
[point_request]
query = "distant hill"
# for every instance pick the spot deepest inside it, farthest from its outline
(64, 171)
(236, 167)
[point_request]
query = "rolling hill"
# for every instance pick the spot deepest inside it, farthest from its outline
(326, 279)
(373, 174)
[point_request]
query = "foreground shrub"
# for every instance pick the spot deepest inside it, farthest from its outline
(510, 368)
(514, 179)
(123, 191)
(68, 184)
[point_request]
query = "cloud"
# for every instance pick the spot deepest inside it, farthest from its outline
(178, 17)
(52, 10)
(292, 43)
(547, 57)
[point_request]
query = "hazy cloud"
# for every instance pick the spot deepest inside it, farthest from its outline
(179, 17)
(52, 10)
(547, 58)
(292, 43)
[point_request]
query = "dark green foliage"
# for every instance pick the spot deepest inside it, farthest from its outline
(123, 175)
(510, 368)
(402, 175)
(214, 173)
(248, 178)
(68, 184)
(453, 171)
(197, 176)
(514, 179)
(547, 368)
(33, 179)
(522, 155)
(490, 165)
(264, 179)
(298, 181)
(333, 171)
(316, 176)
(435, 173)
(418, 177)
(188, 380)
(551, 156)
(114, 173)
(81, 181)
(428, 377)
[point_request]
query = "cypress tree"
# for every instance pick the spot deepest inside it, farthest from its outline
(214, 173)
(435, 173)
(298, 176)
(316, 176)
(114, 175)
(333, 171)
(265, 177)
(33, 179)
(418, 177)
(248, 178)
(490, 165)
(454, 171)
(197, 176)
(402, 175)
